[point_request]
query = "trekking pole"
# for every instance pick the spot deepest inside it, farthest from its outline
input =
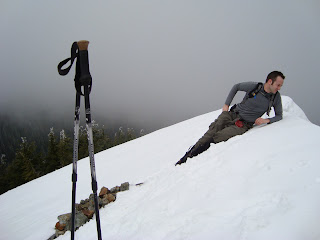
(74, 164)
(83, 79)
(86, 81)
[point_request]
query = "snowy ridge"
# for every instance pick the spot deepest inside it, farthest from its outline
(264, 184)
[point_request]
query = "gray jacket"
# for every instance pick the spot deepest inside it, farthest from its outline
(252, 108)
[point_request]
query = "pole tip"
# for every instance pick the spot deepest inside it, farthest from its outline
(83, 45)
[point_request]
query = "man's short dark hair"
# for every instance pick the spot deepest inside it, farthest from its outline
(273, 75)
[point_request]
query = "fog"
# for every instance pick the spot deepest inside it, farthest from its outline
(156, 63)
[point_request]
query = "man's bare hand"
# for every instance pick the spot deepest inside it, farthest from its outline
(225, 108)
(260, 121)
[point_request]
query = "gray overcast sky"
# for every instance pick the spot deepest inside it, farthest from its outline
(157, 61)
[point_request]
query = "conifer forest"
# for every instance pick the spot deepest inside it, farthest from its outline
(31, 149)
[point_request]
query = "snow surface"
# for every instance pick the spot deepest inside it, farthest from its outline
(264, 184)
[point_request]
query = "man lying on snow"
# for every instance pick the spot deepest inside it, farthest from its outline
(259, 99)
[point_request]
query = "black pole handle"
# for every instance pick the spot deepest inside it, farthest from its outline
(79, 51)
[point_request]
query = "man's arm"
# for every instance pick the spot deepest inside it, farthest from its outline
(260, 121)
(277, 109)
(245, 86)
(278, 112)
(225, 108)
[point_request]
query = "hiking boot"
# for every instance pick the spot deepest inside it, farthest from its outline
(194, 151)
(183, 159)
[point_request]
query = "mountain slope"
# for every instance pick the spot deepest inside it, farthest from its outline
(264, 184)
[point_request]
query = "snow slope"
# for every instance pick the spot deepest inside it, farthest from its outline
(264, 184)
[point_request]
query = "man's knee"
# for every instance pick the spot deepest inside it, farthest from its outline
(207, 137)
(228, 133)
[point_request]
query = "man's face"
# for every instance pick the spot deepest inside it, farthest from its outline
(276, 86)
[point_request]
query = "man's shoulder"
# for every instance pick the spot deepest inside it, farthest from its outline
(253, 84)
(247, 86)
(249, 82)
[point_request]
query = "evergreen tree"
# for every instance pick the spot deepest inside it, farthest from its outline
(14, 174)
(30, 160)
(64, 149)
(3, 174)
(141, 132)
(119, 137)
(83, 143)
(130, 134)
(3, 161)
(26, 165)
(52, 159)
(100, 139)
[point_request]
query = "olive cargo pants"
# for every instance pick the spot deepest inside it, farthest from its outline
(223, 128)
